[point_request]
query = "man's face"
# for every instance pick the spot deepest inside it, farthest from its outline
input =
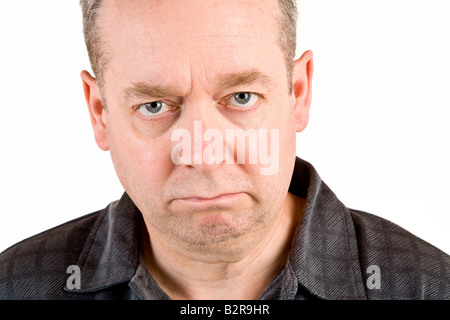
(172, 66)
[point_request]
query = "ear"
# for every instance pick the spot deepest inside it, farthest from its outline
(96, 110)
(302, 89)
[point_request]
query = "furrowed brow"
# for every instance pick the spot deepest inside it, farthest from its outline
(143, 90)
(236, 79)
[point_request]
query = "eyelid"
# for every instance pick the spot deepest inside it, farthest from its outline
(244, 108)
(260, 95)
(137, 106)
(170, 107)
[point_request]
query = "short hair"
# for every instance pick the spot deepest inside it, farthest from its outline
(98, 54)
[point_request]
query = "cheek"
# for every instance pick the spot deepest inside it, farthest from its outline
(142, 163)
(274, 172)
(283, 150)
(283, 121)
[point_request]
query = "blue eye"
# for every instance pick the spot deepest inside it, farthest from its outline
(243, 99)
(154, 108)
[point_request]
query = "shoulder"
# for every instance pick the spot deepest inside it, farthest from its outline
(26, 266)
(409, 267)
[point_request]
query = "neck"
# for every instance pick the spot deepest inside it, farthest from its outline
(242, 276)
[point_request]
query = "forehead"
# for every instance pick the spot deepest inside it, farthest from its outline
(166, 35)
(179, 18)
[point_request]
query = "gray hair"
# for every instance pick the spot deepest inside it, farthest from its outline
(98, 55)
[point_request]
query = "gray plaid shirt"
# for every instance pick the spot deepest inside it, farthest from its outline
(338, 253)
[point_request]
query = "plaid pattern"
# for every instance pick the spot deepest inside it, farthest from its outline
(333, 248)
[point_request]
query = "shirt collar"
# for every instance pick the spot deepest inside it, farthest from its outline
(110, 254)
(324, 257)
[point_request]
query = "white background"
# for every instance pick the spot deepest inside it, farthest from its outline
(378, 134)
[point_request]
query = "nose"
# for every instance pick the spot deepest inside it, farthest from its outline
(200, 137)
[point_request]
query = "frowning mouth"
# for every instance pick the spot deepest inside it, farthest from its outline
(199, 203)
(213, 198)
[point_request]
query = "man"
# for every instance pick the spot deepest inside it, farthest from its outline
(199, 103)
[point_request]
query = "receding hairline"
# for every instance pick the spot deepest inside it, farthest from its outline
(98, 48)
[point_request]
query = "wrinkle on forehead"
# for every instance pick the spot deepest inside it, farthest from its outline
(177, 23)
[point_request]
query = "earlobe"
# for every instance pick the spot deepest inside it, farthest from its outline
(302, 89)
(96, 109)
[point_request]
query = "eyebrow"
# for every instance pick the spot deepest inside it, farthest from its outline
(236, 79)
(146, 90)
(228, 80)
